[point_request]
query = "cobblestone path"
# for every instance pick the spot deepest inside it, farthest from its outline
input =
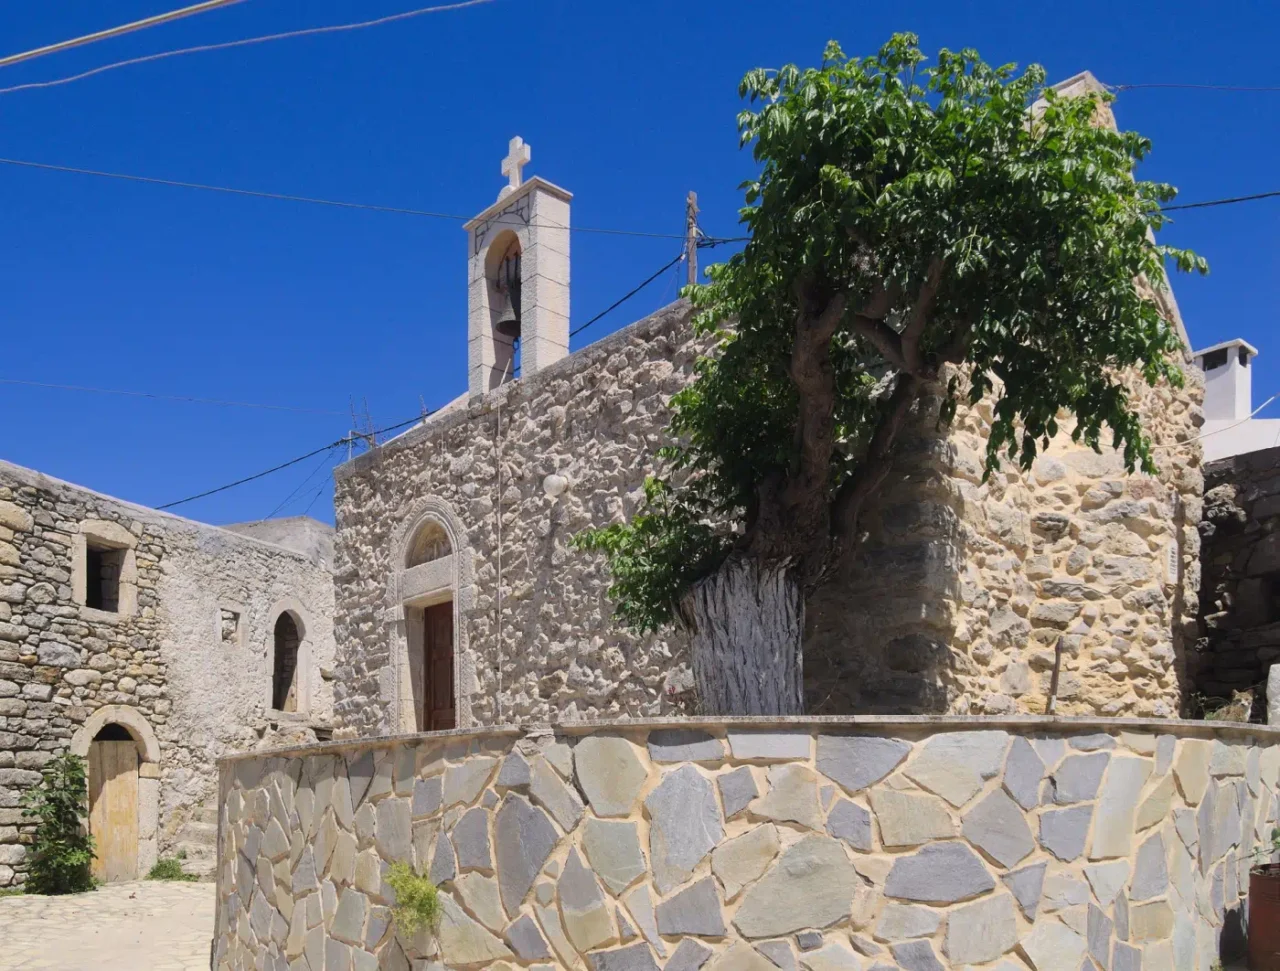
(149, 925)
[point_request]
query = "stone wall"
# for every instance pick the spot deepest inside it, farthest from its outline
(963, 588)
(1240, 596)
(171, 662)
(910, 843)
(955, 602)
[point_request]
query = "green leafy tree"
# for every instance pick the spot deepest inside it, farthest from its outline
(62, 850)
(914, 226)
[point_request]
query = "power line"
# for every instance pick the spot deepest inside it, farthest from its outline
(150, 180)
(621, 300)
(284, 465)
(305, 32)
(299, 487)
(167, 397)
(1201, 87)
(155, 21)
(1221, 202)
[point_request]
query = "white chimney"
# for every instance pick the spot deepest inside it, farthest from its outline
(1228, 379)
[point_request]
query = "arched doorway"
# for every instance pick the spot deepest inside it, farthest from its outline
(284, 677)
(429, 618)
(113, 804)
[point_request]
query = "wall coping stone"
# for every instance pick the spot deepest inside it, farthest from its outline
(1027, 724)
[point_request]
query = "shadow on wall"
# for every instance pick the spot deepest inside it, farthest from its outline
(877, 636)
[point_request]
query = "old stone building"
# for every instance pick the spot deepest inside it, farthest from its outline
(460, 601)
(152, 645)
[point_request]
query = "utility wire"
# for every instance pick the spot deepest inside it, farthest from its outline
(149, 180)
(345, 439)
(155, 21)
(1221, 202)
(324, 459)
(306, 32)
(623, 299)
(1201, 87)
(167, 397)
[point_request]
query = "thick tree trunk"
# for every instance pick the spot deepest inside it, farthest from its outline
(746, 625)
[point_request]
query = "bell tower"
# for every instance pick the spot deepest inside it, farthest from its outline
(518, 278)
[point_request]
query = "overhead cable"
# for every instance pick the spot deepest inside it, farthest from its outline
(307, 199)
(305, 32)
(129, 28)
(167, 397)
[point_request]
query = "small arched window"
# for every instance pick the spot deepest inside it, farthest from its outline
(284, 679)
(430, 543)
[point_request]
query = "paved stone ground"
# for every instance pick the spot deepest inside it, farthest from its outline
(150, 925)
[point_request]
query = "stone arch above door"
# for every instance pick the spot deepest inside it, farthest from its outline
(438, 577)
(148, 745)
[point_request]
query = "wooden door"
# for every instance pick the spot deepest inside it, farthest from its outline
(438, 713)
(113, 810)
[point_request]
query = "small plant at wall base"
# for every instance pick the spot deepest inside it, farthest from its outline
(917, 233)
(170, 868)
(62, 850)
(417, 904)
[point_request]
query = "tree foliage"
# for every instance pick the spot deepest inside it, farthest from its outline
(62, 850)
(907, 216)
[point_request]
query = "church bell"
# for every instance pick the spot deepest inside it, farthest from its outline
(507, 299)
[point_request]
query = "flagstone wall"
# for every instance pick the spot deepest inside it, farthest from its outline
(816, 844)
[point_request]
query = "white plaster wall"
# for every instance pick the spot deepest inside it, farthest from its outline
(1224, 438)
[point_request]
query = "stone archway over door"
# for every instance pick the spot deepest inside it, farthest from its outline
(113, 804)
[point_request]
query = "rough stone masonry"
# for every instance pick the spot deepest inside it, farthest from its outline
(161, 661)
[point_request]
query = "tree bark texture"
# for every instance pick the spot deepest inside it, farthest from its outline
(746, 627)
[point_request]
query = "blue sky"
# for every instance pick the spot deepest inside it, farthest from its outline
(628, 105)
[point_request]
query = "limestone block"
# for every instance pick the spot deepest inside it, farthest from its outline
(463, 940)
(1063, 831)
(1107, 879)
(810, 885)
(634, 957)
(856, 761)
(694, 910)
(514, 773)
(1027, 886)
(1156, 807)
(684, 745)
(779, 953)
(526, 939)
(741, 861)
(938, 873)
(582, 905)
(909, 819)
(15, 517)
(552, 794)
(1150, 873)
(444, 861)
(462, 783)
(610, 772)
(1117, 804)
(737, 789)
(831, 957)
(1023, 771)
(1098, 935)
(850, 822)
(792, 797)
(956, 764)
(613, 850)
(639, 901)
(1150, 922)
(482, 898)
(553, 930)
(981, 931)
(916, 956)
(1052, 946)
(684, 825)
(1078, 777)
(740, 957)
(428, 794)
(394, 832)
(900, 922)
(766, 746)
(348, 922)
(471, 840)
(998, 827)
(1191, 769)
(524, 837)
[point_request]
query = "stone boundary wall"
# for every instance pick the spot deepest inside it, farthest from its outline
(165, 663)
(741, 845)
(1240, 595)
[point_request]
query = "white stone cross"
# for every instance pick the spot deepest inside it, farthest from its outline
(518, 155)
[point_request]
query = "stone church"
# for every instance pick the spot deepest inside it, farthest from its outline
(449, 594)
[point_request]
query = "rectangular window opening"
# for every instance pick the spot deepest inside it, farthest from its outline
(1215, 359)
(103, 567)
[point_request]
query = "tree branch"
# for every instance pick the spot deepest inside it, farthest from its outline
(875, 465)
(921, 312)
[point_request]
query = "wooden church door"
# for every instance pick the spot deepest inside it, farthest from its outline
(113, 809)
(438, 713)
